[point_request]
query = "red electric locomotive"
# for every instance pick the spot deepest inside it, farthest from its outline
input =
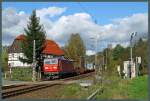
(58, 68)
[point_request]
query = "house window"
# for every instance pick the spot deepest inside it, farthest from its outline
(12, 55)
(15, 55)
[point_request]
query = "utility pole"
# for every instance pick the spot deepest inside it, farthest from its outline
(131, 45)
(99, 68)
(131, 50)
(34, 64)
(106, 59)
(103, 61)
(96, 56)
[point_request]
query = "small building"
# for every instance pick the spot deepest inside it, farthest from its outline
(125, 68)
(133, 70)
(51, 49)
(129, 69)
(90, 66)
(119, 70)
(138, 65)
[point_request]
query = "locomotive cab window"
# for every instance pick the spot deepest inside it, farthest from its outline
(54, 61)
(51, 61)
(47, 62)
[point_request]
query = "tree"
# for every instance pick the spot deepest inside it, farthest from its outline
(75, 49)
(117, 52)
(141, 49)
(4, 58)
(34, 31)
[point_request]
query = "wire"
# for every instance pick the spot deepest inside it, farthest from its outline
(84, 9)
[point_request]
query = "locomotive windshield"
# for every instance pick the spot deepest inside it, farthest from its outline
(51, 61)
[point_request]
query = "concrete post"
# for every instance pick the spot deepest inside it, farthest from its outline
(33, 70)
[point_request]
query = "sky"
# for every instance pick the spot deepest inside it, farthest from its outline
(110, 22)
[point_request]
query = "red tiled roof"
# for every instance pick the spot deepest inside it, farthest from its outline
(20, 37)
(51, 47)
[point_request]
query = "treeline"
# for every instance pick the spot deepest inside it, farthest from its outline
(116, 56)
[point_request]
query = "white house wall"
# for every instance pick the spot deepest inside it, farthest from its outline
(13, 60)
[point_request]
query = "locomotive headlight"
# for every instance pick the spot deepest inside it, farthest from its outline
(54, 67)
(46, 67)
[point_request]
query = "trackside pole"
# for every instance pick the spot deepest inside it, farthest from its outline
(33, 68)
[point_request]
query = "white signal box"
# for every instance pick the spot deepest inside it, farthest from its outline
(138, 60)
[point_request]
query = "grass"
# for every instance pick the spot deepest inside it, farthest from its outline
(70, 91)
(75, 91)
(114, 88)
(136, 88)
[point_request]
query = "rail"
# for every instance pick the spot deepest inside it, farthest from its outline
(25, 90)
(92, 96)
(28, 88)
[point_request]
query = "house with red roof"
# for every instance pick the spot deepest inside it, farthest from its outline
(51, 50)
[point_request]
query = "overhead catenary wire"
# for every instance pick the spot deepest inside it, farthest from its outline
(96, 43)
(85, 10)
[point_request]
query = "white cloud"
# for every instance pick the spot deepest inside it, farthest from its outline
(121, 28)
(21, 13)
(117, 32)
(13, 22)
(90, 52)
(76, 23)
(46, 13)
(60, 30)
(50, 11)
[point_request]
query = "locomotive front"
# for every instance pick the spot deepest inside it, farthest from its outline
(51, 68)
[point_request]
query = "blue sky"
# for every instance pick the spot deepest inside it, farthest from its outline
(115, 20)
(102, 12)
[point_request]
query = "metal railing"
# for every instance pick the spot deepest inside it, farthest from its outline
(93, 95)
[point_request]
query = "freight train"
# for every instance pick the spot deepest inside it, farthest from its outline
(60, 68)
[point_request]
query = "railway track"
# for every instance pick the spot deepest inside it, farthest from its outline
(14, 90)
(12, 86)
(79, 76)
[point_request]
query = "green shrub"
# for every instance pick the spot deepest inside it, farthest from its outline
(23, 74)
